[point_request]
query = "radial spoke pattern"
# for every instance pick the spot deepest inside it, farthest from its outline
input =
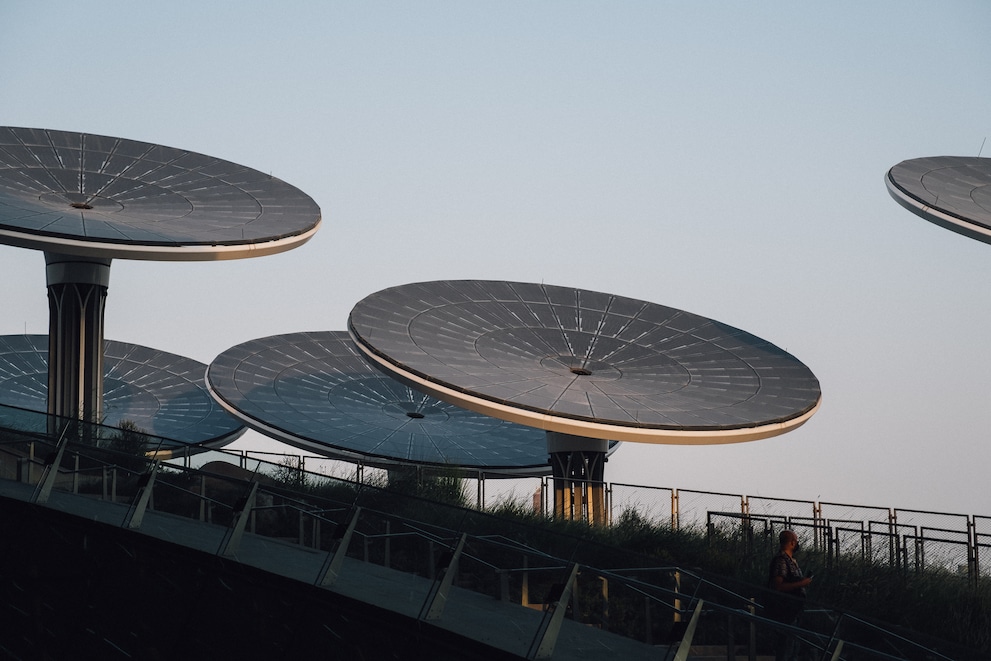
(583, 355)
(317, 391)
(119, 193)
(161, 393)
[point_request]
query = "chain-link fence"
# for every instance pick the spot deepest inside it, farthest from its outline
(653, 504)
(841, 533)
(692, 507)
(982, 546)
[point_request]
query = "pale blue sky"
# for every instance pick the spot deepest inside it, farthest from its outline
(723, 158)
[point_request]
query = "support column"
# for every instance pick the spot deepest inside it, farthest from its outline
(578, 468)
(77, 294)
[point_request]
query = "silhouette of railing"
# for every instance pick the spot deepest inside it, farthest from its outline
(446, 551)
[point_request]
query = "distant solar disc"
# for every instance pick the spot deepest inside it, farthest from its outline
(318, 392)
(98, 196)
(951, 191)
(584, 363)
(161, 393)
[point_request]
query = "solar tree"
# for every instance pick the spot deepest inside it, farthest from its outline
(585, 367)
(85, 200)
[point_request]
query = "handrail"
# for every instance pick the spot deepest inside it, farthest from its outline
(441, 533)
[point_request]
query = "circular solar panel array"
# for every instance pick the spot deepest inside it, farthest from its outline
(161, 393)
(584, 363)
(100, 196)
(316, 391)
(951, 191)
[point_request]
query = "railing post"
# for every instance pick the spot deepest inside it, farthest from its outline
(437, 599)
(336, 559)
(50, 474)
(752, 641)
(525, 597)
(730, 638)
(648, 621)
(543, 645)
(242, 511)
(145, 487)
(686, 641)
(388, 544)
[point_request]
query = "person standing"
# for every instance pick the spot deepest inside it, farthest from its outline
(786, 579)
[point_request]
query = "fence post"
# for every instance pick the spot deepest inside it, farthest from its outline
(893, 545)
(608, 502)
(819, 527)
(977, 555)
(674, 509)
(480, 492)
(972, 551)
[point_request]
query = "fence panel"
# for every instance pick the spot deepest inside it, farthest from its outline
(786, 507)
(944, 549)
(936, 520)
(651, 503)
(693, 507)
(846, 512)
(982, 555)
(850, 540)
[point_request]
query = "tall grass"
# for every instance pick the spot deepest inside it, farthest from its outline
(932, 602)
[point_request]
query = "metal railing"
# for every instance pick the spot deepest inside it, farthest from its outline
(900, 538)
(448, 552)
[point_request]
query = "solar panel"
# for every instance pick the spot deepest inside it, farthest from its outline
(161, 393)
(94, 195)
(317, 391)
(953, 192)
(584, 363)
(87, 199)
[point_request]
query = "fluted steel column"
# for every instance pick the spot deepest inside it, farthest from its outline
(77, 294)
(578, 468)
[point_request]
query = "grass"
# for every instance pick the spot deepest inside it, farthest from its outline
(935, 603)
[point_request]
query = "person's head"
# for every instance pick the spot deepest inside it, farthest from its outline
(788, 541)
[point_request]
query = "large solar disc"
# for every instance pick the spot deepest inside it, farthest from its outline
(951, 191)
(161, 393)
(585, 363)
(317, 391)
(98, 196)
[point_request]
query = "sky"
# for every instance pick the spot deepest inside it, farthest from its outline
(727, 159)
